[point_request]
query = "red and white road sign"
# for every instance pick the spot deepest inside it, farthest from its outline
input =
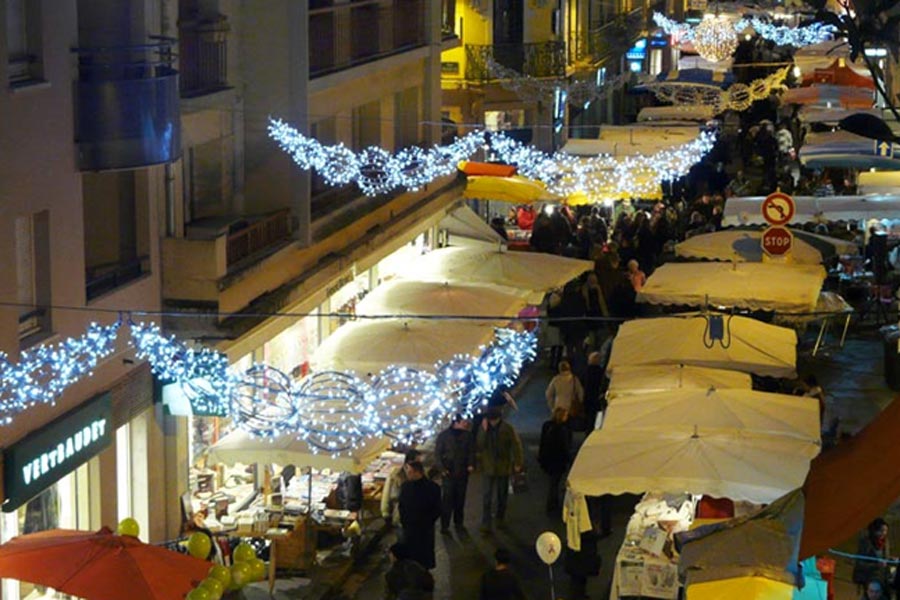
(777, 241)
(778, 208)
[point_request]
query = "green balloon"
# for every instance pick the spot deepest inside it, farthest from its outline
(243, 552)
(258, 569)
(199, 545)
(221, 573)
(214, 586)
(129, 527)
(240, 575)
(199, 593)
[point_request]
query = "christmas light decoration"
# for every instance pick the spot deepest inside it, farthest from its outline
(737, 97)
(715, 38)
(44, 372)
(798, 37)
(579, 92)
(411, 403)
(680, 31)
(263, 403)
(375, 170)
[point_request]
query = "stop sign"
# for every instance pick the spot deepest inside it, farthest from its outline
(777, 241)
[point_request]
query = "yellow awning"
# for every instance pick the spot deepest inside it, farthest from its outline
(741, 588)
(515, 189)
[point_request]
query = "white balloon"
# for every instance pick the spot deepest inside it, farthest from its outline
(548, 547)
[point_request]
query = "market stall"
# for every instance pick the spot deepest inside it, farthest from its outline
(465, 223)
(743, 245)
(843, 149)
(645, 379)
(632, 140)
(812, 209)
(403, 297)
(754, 347)
(752, 286)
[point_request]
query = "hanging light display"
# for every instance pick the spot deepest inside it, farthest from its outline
(262, 402)
(579, 91)
(737, 97)
(715, 38)
(782, 35)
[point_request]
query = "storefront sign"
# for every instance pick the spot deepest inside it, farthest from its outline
(638, 51)
(44, 457)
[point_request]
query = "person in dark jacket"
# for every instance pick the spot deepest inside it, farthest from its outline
(499, 455)
(500, 583)
(542, 239)
(584, 563)
(420, 507)
(875, 545)
(406, 576)
(553, 453)
(454, 453)
(595, 384)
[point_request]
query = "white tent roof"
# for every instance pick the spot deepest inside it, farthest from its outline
(240, 447)
(718, 410)
(756, 347)
(734, 464)
(690, 112)
(747, 211)
(632, 140)
(878, 182)
(532, 272)
(655, 378)
(402, 297)
(466, 223)
(755, 286)
(745, 246)
(369, 346)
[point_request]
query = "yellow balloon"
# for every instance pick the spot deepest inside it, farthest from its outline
(258, 569)
(199, 545)
(199, 593)
(129, 527)
(221, 573)
(214, 586)
(243, 552)
(240, 575)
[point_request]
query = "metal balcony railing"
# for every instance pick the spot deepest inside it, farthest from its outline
(346, 35)
(541, 59)
(609, 39)
(258, 236)
(203, 56)
(126, 106)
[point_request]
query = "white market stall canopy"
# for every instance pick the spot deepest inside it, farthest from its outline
(878, 182)
(831, 116)
(632, 140)
(748, 211)
(368, 346)
(402, 297)
(744, 245)
(532, 272)
(753, 286)
(240, 447)
(656, 378)
(848, 150)
(756, 347)
(731, 464)
(714, 410)
(690, 112)
(466, 223)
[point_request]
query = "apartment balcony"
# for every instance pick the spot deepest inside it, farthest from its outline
(346, 35)
(203, 56)
(541, 59)
(126, 106)
(608, 40)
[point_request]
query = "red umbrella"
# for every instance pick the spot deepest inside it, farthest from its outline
(100, 565)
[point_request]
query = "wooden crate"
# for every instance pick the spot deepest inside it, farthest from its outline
(296, 550)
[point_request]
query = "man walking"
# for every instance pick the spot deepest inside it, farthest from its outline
(499, 454)
(420, 507)
(455, 455)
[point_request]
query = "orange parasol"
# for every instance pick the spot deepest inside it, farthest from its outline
(100, 565)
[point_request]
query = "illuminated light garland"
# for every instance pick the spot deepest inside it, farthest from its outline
(782, 35)
(636, 176)
(411, 402)
(715, 38)
(44, 372)
(262, 402)
(375, 170)
(455, 377)
(798, 37)
(738, 96)
(579, 92)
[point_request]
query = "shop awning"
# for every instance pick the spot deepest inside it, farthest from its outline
(788, 288)
(823, 55)
(695, 77)
(369, 346)
(878, 182)
(755, 347)
(532, 272)
(747, 211)
(465, 222)
(839, 73)
(733, 464)
(831, 116)
(696, 112)
(743, 245)
(515, 189)
(746, 588)
(657, 378)
(632, 140)
(240, 447)
(825, 95)
(845, 149)
(402, 297)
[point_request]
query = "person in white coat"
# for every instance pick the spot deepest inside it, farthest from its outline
(565, 391)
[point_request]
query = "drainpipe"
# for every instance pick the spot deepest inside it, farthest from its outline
(171, 222)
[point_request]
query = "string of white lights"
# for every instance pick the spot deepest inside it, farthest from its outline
(374, 170)
(581, 91)
(738, 96)
(332, 411)
(782, 35)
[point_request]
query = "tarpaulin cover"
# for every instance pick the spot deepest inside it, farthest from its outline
(656, 378)
(756, 347)
(852, 483)
(785, 288)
